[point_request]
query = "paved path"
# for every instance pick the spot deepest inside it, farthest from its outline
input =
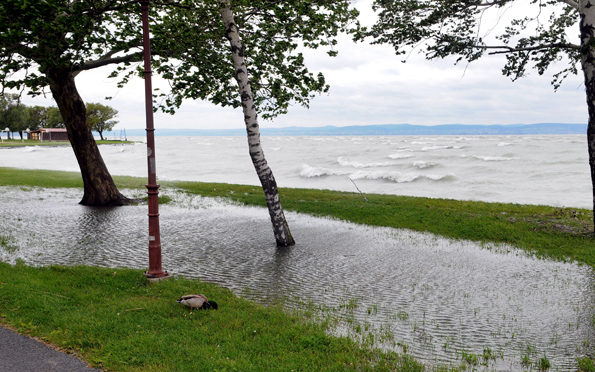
(20, 353)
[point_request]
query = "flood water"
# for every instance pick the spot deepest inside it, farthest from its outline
(436, 298)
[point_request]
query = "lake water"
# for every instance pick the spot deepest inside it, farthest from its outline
(551, 170)
(437, 298)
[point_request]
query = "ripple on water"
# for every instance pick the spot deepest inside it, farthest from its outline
(435, 296)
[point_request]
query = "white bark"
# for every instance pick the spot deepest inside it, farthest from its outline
(269, 185)
(587, 27)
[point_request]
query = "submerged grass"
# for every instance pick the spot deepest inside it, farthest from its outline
(559, 233)
(117, 321)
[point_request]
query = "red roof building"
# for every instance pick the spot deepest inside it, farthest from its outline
(48, 134)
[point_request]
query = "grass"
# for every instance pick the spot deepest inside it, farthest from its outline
(20, 143)
(225, 340)
(117, 321)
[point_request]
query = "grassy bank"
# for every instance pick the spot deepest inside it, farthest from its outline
(20, 143)
(116, 321)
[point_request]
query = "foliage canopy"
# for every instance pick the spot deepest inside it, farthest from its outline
(188, 45)
(538, 33)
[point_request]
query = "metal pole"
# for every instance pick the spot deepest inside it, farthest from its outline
(155, 270)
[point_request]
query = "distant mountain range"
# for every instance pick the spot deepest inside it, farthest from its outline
(385, 130)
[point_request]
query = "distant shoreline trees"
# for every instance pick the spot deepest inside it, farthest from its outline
(18, 117)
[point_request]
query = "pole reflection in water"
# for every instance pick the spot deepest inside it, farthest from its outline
(434, 296)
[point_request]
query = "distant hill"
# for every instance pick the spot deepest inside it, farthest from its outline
(384, 129)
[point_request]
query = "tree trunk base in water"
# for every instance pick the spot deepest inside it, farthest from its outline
(112, 202)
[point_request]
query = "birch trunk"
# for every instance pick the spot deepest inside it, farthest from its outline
(587, 27)
(267, 180)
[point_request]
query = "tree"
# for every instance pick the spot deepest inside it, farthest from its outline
(38, 117)
(13, 114)
(537, 37)
(63, 38)
(55, 119)
(47, 43)
(99, 117)
(265, 174)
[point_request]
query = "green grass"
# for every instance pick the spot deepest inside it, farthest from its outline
(117, 321)
(20, 143)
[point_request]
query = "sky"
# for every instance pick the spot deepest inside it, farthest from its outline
(370, 85)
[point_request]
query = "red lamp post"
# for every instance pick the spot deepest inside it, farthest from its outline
(155, 270)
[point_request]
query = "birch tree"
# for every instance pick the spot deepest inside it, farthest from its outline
(540, 35)
(265, 174)
(48, 43)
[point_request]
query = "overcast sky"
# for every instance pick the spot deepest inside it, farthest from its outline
(370, 85)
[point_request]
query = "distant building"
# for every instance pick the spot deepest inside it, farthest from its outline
(48, 134)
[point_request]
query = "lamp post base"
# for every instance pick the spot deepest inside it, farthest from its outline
(157, 278)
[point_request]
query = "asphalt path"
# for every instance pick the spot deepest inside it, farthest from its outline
(20, 353)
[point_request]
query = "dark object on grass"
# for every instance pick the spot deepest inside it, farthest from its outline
(197, 301)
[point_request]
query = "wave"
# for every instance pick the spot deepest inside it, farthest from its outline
(349, 163)
(399, 177)
(444, 147)
(399, 156)
(31, 148)
(493, 158)
(502, 144)
(308, 171)
(424, 164)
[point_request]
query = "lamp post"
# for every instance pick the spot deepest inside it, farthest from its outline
(155, 270)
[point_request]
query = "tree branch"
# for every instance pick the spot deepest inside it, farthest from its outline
(507, 49)
(572, 3)
(108, 60)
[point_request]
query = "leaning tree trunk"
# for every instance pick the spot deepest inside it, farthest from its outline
(269, 185)
(587, 26)
(99, 187)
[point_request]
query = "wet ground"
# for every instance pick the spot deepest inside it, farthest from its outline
(442, 301)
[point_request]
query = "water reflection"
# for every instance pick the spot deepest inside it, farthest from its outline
(435, 297)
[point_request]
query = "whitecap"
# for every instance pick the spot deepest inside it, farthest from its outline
(399, 156)
(444, 147)
(308, 171)
(424, 164)
(276, 148)
(493, 158)
(386, 175)
(440, 177)
(350, 163)
(502, 144)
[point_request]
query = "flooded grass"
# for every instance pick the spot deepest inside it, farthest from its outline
(439, 300)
